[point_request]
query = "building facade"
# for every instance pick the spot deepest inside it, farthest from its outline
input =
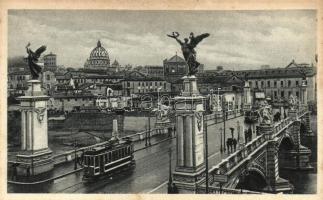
(138, 83)
(154, 71)
(50, 62)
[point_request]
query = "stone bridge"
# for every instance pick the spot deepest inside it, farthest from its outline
(256, 164)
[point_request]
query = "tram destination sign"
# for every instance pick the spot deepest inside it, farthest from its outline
(221, 178)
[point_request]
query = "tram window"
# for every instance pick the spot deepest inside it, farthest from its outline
(114, 155)
(86, 162)
(96, 161)
(106, 158)
(91, 161)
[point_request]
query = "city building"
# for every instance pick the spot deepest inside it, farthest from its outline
(17, 82)
(99, 58)
(50, 62)
(69, 102)
(48, 79)
(174, 68)
(154, 71)
(138, 83)
(277, 84)
(115, 67)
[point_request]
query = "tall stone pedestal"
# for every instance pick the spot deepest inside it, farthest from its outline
(35, 157)
(276, 184)
(190, 167)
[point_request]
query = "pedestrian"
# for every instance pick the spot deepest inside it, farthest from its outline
(234, 144)
(228, 145)
(14, 174)
(28, 171)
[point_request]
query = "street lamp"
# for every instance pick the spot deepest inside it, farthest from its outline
(219, 98)
(221, 148)
(158, 97)
(211, 99)
(238, 130)
(75, 155)
(206, 158)
(224, 119)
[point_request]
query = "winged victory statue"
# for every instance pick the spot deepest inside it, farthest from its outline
(188, 50)
(32, 59)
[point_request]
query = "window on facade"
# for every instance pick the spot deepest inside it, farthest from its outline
(262, 84)
(289, 93)
(296, 83)
(128, 84)
(275, 83)
(256, 83)
(250, 83)
(268, 83)
(282, 83)
(297, 94)
(275, 94)
(289, 83)
(165, 86)
(282, 94)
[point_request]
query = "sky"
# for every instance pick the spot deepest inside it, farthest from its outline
(238, 39)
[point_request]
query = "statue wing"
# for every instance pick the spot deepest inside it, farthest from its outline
(39, 51)
(194, 41)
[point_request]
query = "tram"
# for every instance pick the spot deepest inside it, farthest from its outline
(115, 157)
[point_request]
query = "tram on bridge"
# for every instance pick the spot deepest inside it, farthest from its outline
(105, 161)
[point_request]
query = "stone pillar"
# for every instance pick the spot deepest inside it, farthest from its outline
(275, 183)
(35, 157)
(246, 97)
(23, 130)
(190, 167)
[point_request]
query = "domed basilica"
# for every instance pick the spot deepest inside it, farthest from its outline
(99, 58)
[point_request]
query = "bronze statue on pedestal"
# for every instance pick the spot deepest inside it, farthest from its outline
(33, 57)
(188, 49)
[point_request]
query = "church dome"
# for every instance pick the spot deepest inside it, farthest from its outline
(99, 58)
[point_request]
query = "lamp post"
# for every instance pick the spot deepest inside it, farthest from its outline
(218, 99)
(170, 180)
(158, 97)
(221, 147)
(131, 101)
(75, 155)
(211, 100)
(149, 113)
(224, 119)
(206, 158)
(238, 130)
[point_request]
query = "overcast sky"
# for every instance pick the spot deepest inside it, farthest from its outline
(238, 39)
